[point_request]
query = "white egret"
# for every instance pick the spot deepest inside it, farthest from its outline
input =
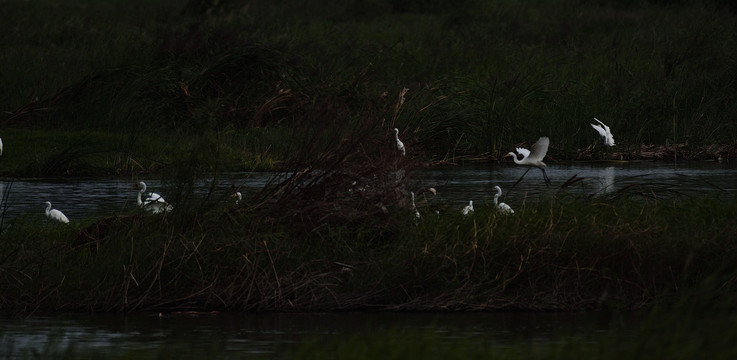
(534, 157)
(417, 213)
(502, 207)
(604, 131)
(468, 209)
(400, 144)
(238, 197)
(54, 214)
(154, 202)
(1, 146)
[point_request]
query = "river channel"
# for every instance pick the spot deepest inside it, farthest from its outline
(270, 334)
(98, 197)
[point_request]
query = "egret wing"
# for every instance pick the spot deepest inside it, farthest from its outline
(605, 132)
(58, 216)
(540, 148)
(154, 197)
(524, 152)
(602, 124)
(599, 129)
(504, 208)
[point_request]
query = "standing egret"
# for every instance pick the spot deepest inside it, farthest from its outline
(604, 131)
(417, 213)
(534, 157)
(400, 144)
(502, 207)
(238, 197)
(154, 202)
(54, 214)
(468, 209)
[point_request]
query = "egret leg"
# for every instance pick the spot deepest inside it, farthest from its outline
(520, 179)
(545, 176)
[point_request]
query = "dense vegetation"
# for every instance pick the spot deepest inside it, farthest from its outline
(181, 88)
(127, 87)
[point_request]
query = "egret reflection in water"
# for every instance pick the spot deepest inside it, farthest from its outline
(606, 179)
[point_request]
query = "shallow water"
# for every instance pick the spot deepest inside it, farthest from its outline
(90, 197)
(459, 185)
(270, 333)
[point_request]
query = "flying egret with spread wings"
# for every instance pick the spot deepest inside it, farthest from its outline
(604, 131)
(534, 157)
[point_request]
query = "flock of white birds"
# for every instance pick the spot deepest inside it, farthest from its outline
(155, 203)
(533, 158)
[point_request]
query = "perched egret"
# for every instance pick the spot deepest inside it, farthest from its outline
(400, 144)
(604, 131)
(238, 197)
(534, 157)
(154, 202)
(502, 207)
(54, 214)
(468, 209)
(417, 213)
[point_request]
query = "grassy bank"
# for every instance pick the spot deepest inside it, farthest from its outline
(319, 241)
(217, 78)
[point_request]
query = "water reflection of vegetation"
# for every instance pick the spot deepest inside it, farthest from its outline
(700, 325)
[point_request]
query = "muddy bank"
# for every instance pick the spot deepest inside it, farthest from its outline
(717, 152)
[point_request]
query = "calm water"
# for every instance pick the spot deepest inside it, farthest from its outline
(271, 333)
(79, 198)
(462, 184)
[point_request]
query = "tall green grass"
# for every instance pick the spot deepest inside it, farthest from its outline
(309, 243)
(482, 77)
